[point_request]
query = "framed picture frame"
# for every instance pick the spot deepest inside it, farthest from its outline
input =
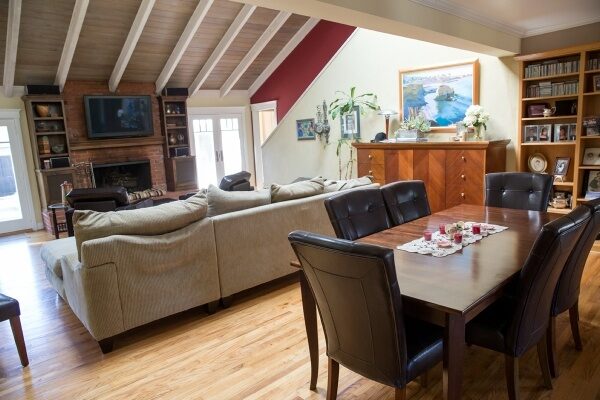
(592, 185)
(596, 83)
(561, 132)
(536, 109)
(561, 166)
(441, 92)
(305, 129)
(530, 133)
(591, 156)
(350, 124)
(572, 132)
(545, 133)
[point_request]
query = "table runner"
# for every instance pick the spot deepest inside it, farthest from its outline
(423, 246)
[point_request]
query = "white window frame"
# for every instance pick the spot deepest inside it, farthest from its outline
(220, 112)
(258, 164)
(12, 119)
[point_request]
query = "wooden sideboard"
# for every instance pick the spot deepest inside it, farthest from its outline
(453, 172)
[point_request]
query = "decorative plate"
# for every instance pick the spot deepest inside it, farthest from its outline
(537, 163)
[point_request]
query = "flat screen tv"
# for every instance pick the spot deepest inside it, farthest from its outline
(118, 116)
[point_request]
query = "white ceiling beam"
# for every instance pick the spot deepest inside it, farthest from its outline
(132, 38)
(71, 42)
(260, 44)
(12, 42)
(282, 55)
(228, 38)
(182, 44)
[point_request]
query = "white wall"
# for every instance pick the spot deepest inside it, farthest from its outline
(370, 61)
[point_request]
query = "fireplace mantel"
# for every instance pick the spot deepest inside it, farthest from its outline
(115, 143)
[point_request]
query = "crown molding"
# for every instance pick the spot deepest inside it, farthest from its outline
(462, 12)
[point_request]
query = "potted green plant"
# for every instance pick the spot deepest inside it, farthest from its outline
(414, 126)
(343, 105)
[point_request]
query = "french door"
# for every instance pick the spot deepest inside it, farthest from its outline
(218, 143)
(16, 209)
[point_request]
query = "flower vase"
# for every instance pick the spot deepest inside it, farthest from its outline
(478, 133)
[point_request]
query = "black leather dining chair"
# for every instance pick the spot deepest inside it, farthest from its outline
(359, 301)
(405, 201)
(514, 324)
(10, 310)
(520, 190)
(566, 296)
(357, 213)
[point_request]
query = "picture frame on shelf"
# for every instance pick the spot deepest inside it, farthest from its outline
(591, 156)
(591, 126)
(305, 129)
(530, 133)
(592, 185)
(545, 133)
(561, 167)
(572, 132)
(596, 83)
(535, 110)
(561, 132)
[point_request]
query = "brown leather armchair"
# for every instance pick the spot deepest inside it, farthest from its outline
(359, 301)
(514, 324)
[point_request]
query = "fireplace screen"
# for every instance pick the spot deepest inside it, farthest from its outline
(132, 175)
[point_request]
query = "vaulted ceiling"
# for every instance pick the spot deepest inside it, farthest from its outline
(45, 25)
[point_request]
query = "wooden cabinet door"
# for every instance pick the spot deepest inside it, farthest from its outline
(371, 162)
(474, 176)
(429, 166)
(454, 178)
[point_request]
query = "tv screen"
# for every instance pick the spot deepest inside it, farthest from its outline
(118, 116)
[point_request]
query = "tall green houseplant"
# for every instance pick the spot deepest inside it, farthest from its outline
(342, 105)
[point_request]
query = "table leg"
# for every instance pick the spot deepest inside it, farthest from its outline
(54, 219)
(310, 321)
(454, 343)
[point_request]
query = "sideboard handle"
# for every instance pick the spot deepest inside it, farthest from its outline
(463, 158)
(463, 177)
(370, 172)
(370, 156)
(462, 195)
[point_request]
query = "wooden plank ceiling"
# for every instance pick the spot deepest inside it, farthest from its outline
(44, 27)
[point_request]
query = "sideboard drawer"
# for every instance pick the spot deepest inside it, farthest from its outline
(369, 156)
(377, 171)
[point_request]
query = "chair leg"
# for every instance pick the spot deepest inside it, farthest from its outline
(333, 374)
(551, 347)
(512, 377)
(400, 394)
(542, 349)
(17, 330)
(574, 317)
(424, 379)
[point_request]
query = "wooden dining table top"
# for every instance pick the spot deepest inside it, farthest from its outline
(462, 281)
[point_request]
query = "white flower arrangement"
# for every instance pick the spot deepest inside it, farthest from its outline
(476, 116)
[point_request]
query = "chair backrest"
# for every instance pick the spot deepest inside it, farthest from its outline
(406, 201)
(357, 213)
(357, 294)
(567, 290)
(520, 190)
(539, 276)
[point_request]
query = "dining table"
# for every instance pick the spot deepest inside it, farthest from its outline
(448, 291)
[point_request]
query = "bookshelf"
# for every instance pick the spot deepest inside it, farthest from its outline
(568, 82)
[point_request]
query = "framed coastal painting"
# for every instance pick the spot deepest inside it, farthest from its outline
(442, 93)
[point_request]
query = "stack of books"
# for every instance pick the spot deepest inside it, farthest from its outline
(548, 88)
(551, 67)
(593, 63)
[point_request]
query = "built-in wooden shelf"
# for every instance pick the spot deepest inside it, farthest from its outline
(175, 115)
(559, 210)
(592, 94)
(593, 71)
(50, 133)
(174, 146)
(48, 118)
(590, 137)
(548, 144)
(54, 155)
(177, 127)
(590, 167)
(564, 183)
(550, 77)
(568, 96)
(553, 118)
(112, 143)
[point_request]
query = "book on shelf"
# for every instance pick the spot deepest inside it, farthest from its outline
(548, 88)
(551, 67)
(593, 63)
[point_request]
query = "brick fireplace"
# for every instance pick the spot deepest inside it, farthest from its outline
(113, 151)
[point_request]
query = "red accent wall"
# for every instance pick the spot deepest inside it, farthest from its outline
(287, 83)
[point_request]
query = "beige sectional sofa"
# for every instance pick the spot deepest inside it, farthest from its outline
(119, 282)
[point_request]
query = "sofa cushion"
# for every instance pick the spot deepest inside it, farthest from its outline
(334, 186)
(51, 253)
(222, 201)
(297, 190)
(150, 221)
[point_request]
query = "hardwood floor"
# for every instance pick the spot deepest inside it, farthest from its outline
(254, 350)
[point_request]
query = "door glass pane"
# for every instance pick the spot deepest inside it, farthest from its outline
(204, 146)
(10, 207)
(232, 147)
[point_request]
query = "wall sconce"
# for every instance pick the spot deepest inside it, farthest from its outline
(387, 114)
(322, 127)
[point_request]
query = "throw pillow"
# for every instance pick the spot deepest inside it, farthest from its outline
(297, 190)
(149, 221)
(334, 186)
(222, 201)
